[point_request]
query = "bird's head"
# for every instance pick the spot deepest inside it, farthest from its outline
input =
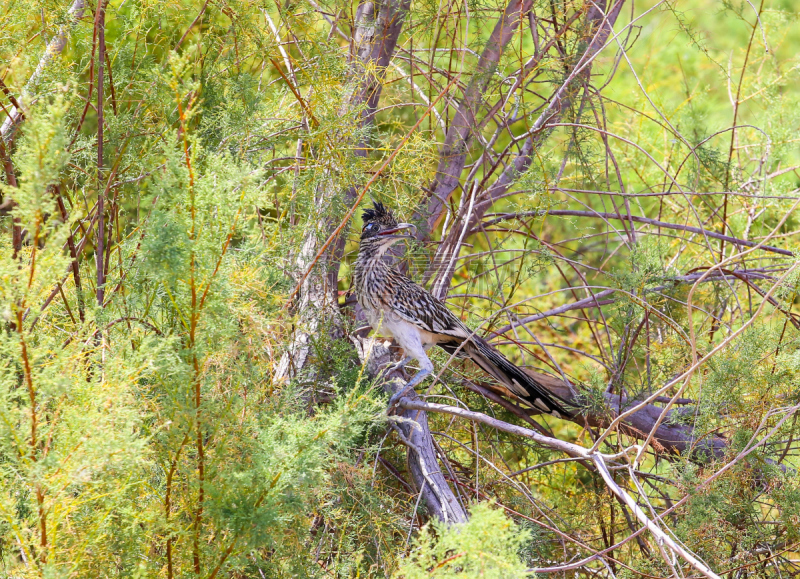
(381, 229)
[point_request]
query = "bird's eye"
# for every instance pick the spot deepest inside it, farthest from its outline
(370, 227)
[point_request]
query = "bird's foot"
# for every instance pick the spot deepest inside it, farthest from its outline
(397, 396)
(397, 365)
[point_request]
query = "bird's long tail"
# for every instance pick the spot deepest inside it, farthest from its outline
(516, 379)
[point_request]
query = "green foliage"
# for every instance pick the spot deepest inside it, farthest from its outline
(489, 546)
(157, 443)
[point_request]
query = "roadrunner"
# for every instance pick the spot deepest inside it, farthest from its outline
(398, 307)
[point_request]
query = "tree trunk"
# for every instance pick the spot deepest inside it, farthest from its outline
(377, 31)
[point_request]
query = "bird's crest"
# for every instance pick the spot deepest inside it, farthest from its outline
(378, 214)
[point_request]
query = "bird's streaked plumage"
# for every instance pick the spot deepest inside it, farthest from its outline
(397, 306)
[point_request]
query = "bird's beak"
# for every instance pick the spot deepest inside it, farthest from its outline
(393, 233)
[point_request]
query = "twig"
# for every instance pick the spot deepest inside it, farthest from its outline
(195, 21)
(638, 219)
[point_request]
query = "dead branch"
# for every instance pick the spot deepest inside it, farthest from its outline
(600, 460)
(672, 436)
(413, 428)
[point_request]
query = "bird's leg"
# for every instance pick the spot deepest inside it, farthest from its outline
(414, 349)
(398, 365)
(389, 368)
(416, 379)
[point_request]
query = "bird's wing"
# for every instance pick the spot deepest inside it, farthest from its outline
(418, 307)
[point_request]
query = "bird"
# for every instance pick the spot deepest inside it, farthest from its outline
(397, 307)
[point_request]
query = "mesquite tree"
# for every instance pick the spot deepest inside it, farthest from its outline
(606, 190)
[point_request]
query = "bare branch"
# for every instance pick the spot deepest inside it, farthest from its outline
(599, 459)
(456, 144)
(54, 48)
(601, 27)
(638, 219)
(413, 424)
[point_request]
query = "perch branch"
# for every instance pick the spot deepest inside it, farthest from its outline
(413, 424)
(599, 459)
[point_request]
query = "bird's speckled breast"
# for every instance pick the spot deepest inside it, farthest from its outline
(370, 288)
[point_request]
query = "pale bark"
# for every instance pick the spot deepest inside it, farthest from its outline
(54, 48)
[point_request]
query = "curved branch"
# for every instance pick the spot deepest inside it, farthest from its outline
(575, 450)
(638, 219)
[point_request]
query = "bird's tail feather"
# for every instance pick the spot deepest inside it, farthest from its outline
(516, 379)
